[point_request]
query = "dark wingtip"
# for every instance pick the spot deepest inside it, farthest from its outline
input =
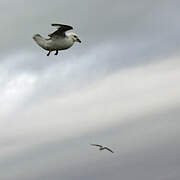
(61, 25)
(55, 24)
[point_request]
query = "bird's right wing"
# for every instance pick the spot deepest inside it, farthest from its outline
(96, 145)
(109, 149)
(61, 29)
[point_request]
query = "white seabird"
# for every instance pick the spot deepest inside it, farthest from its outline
(102, 147)
(59, 40)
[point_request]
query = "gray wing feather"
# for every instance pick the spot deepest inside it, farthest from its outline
(62, 28)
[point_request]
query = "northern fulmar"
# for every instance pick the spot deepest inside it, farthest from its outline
(102, 147)
(58, 40)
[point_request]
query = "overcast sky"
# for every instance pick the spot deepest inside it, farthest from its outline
(119, 87)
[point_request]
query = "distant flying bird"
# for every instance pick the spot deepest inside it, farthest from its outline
(102, 147)
(59, 40)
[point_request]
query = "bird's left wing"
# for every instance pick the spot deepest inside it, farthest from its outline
(109, 149)
(61, 29)
(96, 145)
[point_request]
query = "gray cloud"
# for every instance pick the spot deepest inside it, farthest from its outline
(145, 148)
(126, 94)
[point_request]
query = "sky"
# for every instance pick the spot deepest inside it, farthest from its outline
(119, 88)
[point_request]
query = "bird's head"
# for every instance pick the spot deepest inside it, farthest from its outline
(74, 37)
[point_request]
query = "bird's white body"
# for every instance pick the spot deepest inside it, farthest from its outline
(101, 148)
(55, 43)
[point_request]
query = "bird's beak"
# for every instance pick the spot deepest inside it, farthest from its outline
(78, 40)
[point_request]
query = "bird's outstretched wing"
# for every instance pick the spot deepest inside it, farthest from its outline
(109, 149)
(96, 145)
(61, 29)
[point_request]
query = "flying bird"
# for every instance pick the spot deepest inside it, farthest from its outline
(58, 40)
(102, 147)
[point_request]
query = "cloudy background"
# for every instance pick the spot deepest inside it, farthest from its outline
(119, 87)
